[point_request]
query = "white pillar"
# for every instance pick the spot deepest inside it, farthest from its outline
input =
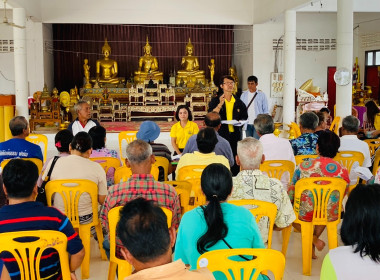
(21, 81)
(345, 20)
(289, 66)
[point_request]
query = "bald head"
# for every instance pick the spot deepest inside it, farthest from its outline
(213, 120)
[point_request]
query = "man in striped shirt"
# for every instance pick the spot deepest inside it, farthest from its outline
(23, 213)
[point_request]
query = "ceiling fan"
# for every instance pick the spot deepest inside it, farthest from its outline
(5, 19)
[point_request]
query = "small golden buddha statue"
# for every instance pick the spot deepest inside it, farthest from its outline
(234, 75)
(74, 97)
(106, 68)
(212, 71)
(148, 66)
(45, 92)
(86, 69)
(190, 73)
(55, 96)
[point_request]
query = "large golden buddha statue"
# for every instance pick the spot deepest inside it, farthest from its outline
(106, 68)
(190, 73)
(148, 66)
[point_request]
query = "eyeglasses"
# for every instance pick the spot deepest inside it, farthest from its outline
(229, 83)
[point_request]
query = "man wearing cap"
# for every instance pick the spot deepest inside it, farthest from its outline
(148, 132)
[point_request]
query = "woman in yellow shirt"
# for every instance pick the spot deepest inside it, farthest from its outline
(183, 129)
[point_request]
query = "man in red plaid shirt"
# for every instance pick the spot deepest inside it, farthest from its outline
(141, 184)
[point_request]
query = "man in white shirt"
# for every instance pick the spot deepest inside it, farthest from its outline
(274, 148)
(350, 142)
(83, 122)
(256, 102)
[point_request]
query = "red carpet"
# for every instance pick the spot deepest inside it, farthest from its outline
(165, 126)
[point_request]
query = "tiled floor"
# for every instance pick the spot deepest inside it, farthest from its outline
(293, 269)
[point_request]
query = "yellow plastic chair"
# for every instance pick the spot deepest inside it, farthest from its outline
(107, 163)
(36, 161)
(321, 195)
(164, 163)
(262, 209)
(40, 140)
(335, 125)
(296, 128)
(123, 173)
(373, 144)
(301, 158)
(128, 137)
(347, 160)
(123, 267)
(277, 168)
(183, 189)
(266, 259)
(70, 191)
(28, 254)
(192, 174)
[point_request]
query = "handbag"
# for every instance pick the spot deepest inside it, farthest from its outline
(41, 196)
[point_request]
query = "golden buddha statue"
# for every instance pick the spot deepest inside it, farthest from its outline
(190, 73)
(86, 69)
(212, 71)
(74, 97)
(234, 75)
(148, 66)
(106, 68)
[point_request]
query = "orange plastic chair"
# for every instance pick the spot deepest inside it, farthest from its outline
(123, 173)
(28, 254)
(262, 209)
(70, 191)
(347, 160)
(296, 128)
(301, 158)
(266, 259)
(36, 161)
(123, 267)
(40, 140)
(278, 168)
(321, 195)
(192, 174)
(373, 144)
(164, 163)
(128, 137)
(183, 189)
(335, 125)
(107, 163)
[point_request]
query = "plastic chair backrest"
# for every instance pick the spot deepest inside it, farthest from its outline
(164, 163)
(124, 268)
(297, 130)
(190, 172)
(266, 259)
(70, 191)
(36, 161)
(183, 189)
(335, 125)
(262, 209)
(373, 144)
(347, 160)
(107, 162)
(40, 140)
(128, 137)
(28, 254)
(277, 168)
(123, 173)
(301, 158)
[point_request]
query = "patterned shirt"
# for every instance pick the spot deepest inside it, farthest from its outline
(318, 167)
(141, 185)
(305, 144)
(253, 184)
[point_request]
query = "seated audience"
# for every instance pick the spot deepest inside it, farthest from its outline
(218, 224)
(222, 148)
(147, 244)
(206, 141)
(141, 184)
(79, 166)
(359, 258)
(62, 143)
(306, 143)
(322, 123)
(350, 142)
(149, 132)
(24, 213)
(18, 147)
(183, 129)
(83, 122)
(322, 166)
(98, 136)
(251, 183)
(370, 117)
(274, 148)
(328, 117)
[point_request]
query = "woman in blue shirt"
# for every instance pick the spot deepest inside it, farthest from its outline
(213, 226)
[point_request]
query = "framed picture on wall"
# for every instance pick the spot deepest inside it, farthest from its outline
(277, 84)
